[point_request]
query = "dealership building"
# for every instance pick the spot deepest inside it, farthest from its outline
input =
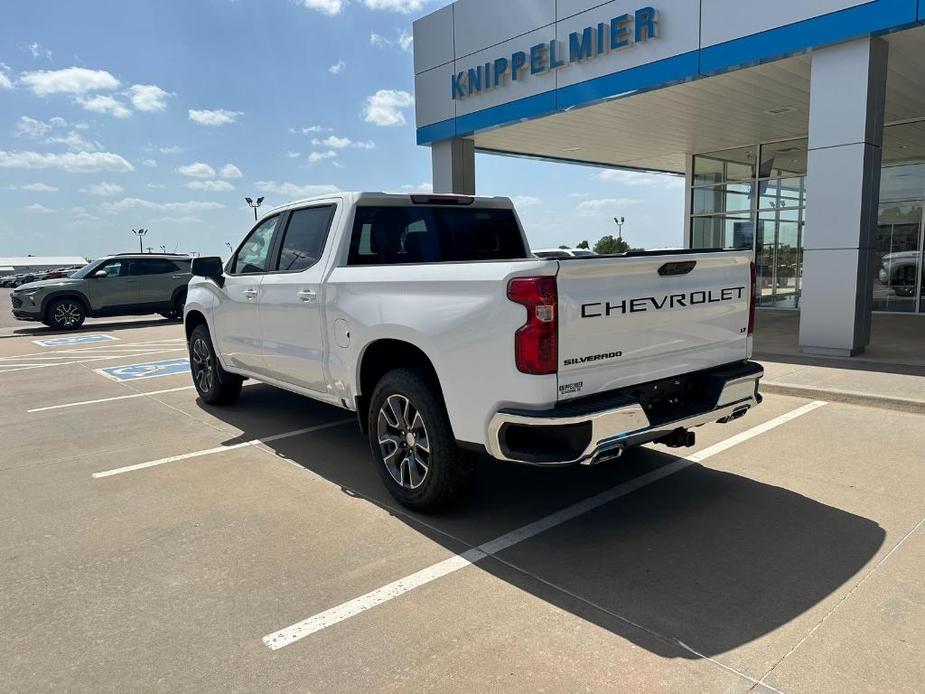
(799, 125)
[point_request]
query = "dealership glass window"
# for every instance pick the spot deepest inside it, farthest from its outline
(753, 197)
(899, 241)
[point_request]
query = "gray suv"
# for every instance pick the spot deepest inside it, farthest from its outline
(118, 285)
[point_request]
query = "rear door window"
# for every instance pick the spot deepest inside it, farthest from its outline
(422, 234)
(305, 236)
(155, 266)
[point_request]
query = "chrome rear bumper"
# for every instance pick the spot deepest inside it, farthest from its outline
(615, 428)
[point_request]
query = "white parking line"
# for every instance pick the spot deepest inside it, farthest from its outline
(115, 397)
(322, 620)
(218, 449)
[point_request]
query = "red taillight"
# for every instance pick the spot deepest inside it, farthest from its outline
(536, 349)
(753, 300)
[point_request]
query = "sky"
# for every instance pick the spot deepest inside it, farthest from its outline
(165, 114)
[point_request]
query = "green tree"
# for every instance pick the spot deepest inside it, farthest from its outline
(583, 244)
(609, 245)
(565, 247)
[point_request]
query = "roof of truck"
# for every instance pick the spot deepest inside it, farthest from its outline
(420, 198)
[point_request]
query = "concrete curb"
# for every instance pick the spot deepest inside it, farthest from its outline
(846, 396)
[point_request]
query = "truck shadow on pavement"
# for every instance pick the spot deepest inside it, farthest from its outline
(708, 559)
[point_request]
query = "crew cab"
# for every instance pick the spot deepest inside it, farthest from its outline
(428, 316)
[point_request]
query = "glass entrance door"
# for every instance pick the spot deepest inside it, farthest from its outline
(898, 259)
(779, 258)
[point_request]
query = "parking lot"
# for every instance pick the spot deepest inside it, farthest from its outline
(150, 543)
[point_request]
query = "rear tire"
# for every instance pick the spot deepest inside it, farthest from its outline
(412, 442)
(214, 385)
(176, 309)
(65, 314)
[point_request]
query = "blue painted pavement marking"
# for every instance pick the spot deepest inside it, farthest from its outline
(74, 340)
(151, 369)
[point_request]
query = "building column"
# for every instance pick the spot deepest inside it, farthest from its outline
(454, 166)
(847, 94)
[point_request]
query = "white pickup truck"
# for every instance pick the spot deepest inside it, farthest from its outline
(428, 316)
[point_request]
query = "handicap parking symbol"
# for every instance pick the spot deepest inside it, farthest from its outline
(74, 340)
(151, 369)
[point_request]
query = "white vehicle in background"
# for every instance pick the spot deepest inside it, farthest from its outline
(563, 253)
(429, 317)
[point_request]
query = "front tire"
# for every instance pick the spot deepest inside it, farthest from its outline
(214, 385)
(412, 442)
(65, 314)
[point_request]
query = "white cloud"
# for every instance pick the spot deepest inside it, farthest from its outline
(101, 103)
(604, 205)
(423, 187)
(39, 188)
(103, 189)
(148, 97)
(75, 142)
(72, 162)
(403, 6)
(342, 142)
(157, 186)
(72, 80)
(522, 201)
(150, 163)
(39, 51)
(230, 171)
(315, 157)
(5, 81)
(197, 170)
(384, 108)
(292, 155)
(403, 40)
(210, 186)
(30, 127)
(337, 67)
(126, 204)
(214, 118)
(310, 129)
(172, 149)
(640, 178)
(293, 190)
(36, 208)
(328, 7)
(177, 219)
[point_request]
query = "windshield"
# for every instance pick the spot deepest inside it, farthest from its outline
(85, 271)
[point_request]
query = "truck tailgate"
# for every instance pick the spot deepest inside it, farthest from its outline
(625, 320)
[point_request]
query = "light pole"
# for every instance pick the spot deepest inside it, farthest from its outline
(140, 233)
(254, 205)
(230, 248)
(619, 221)
(163, 248)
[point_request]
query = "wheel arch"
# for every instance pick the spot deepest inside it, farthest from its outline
(194, 319)
(67, 294)
(384, 355)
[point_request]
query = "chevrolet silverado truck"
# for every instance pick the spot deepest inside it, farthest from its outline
(428, 317)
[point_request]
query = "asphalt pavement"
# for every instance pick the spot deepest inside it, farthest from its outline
(151, 543)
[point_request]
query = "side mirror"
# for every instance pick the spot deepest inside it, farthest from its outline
(99, 274)
(209, 267)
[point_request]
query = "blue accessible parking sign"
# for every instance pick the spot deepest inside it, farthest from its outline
(74, 340)
(151, 369)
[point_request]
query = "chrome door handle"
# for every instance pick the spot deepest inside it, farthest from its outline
(250, 293)
(307, 295)
(178, 277)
